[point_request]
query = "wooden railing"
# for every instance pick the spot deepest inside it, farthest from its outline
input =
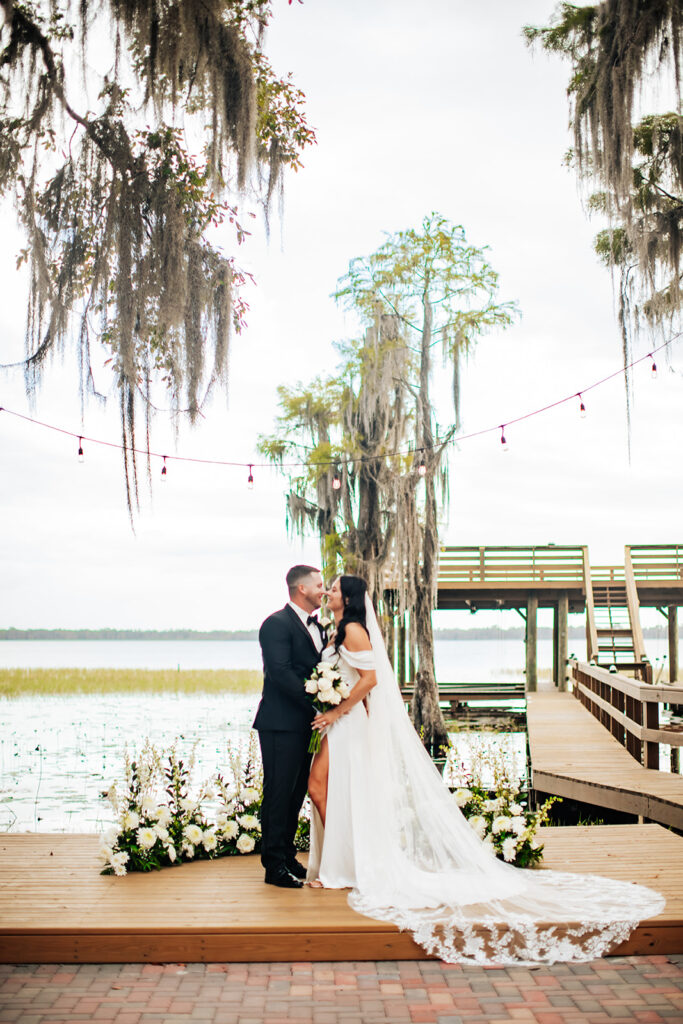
(628, 709)
(656, 563)
(634, 609)
(547, 566)
(591, 628)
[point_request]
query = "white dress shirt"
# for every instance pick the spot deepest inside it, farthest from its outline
(312, 628)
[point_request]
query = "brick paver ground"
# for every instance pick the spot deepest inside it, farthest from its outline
(619, 990)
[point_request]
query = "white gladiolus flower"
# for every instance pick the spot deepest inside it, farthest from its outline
(509, 848)
(250, 822)
(249, 795)
(209, 841)
(230, 829)
(149, 806)
(462, 796)
(146, 838)
(193, 834)
(112, 796)
(501, 824)
(170, 850)
(245, 844)
(221, 820)
(311, 686)
(163, 815)
(187, 804)
(536, 843)
(130, 820)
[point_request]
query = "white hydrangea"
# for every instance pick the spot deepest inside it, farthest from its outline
(163, 815)
(193, 834)
(146, 837)
(501, 824)
(249, 795)
(250, 822)
(509, 848)
(130, 820)
(230, 829)
(245, 844)
(462, 796)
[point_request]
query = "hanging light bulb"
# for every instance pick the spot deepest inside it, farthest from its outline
(653, 368)
(250, 479)
(336, 479)
(503, 440)
(81, 457)
(422, 468)
(163, 469)
(582, 407)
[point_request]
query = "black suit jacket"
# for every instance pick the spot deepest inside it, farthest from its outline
(289, 657)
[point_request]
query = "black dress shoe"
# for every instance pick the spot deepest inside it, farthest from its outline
(284, 878)
(296, 869)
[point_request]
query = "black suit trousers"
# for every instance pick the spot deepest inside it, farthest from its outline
(286, 765)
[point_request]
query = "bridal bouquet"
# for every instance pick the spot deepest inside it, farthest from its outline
(327, 689)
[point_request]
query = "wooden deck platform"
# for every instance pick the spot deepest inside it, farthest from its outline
(574, 756)
(55, 907)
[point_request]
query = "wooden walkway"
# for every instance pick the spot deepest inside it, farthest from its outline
(574, 756)
(55, 907)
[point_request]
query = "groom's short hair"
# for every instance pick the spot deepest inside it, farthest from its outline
(297, 573)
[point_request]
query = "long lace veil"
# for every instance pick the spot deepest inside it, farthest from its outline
(423, 867)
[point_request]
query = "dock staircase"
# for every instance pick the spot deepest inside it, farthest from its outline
(613, 631)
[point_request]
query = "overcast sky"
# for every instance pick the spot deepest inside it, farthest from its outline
(424, 106)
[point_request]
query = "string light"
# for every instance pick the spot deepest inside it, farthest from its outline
(250, 478)
(653, 368)
(582, 406)
(422, 468)
(163, 469)
(81, 457)
(336, 480)
(503, 440)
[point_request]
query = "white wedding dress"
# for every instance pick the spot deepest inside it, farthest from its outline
(395, 836)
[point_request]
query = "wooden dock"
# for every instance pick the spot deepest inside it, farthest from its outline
(55, 907)
(574, 756)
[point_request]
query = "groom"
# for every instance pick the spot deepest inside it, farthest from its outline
(291, 642)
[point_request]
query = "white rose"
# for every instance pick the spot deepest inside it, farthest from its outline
(130, 820)
(462, 796)
(311, 686)
(163, 815)
(209, 840)
(509, 848)
(327, 669)
(249, 795)
(193, 834)
(170, 850)
(146, 838)
(245, 844)
(327, 696)
(344, 689)
(501, 824)
(230, 829)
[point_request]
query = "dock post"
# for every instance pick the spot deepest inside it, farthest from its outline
(562, 641)
(531, 635)
(673, 642)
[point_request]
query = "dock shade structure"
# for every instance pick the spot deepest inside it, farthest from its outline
(561, 577)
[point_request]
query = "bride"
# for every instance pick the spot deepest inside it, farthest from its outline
(384, 825)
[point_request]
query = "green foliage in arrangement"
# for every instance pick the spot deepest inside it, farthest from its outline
(23, 682)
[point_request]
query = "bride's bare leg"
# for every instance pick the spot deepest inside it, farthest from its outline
(317, 780)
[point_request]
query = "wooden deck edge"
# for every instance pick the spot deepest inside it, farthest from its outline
(627, 800)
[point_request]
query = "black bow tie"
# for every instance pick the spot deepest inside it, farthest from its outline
(310, 619)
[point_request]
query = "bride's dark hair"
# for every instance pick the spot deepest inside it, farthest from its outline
(353, 591)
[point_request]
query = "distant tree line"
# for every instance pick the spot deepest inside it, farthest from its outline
(477, 633)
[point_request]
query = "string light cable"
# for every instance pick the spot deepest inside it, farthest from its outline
(337, 463)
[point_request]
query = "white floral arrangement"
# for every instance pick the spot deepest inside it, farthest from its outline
(491, 797)
(163, 818)
(326, 689)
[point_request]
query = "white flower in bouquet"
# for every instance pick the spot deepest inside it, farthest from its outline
(509, 848)
(221, 820)
(535, 843)
(193, 834)
(249, 795)
(209, 841)
(146, 838)
(311, 686)
(188, 850)
(230, 829)
(113, 796)
(130, 820)
(170, 850)
(492, 806)
(245, 844)
(501, 824)
(187, 804)
(118, 863)
(518, 825)
(106, 853)
(478, 824)
(330, 697)
(516, 809)
(162, 833)
(110, 836)
(163, 815)
(327, 669)
(250, 822)
(148, 805)
(462, 796)
(344, 689)
(488, 841)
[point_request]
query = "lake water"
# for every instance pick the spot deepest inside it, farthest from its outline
(58, 754)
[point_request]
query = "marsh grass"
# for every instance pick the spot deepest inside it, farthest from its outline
(25, 682)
